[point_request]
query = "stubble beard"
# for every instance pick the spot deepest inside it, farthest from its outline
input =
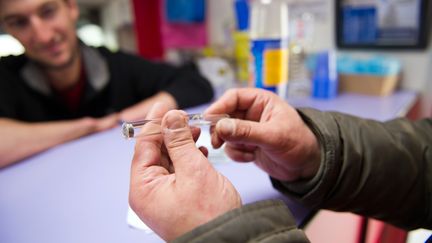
(52, 67)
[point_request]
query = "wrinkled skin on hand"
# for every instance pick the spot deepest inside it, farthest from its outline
(173, 187)
(265, 129)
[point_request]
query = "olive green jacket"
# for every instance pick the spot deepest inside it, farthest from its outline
(370, 168)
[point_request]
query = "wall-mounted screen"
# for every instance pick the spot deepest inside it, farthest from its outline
(382, 24)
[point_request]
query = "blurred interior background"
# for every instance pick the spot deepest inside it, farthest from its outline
(178, 31)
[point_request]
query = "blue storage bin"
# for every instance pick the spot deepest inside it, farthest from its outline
(185, 11)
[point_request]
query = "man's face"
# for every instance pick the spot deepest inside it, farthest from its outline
(46, 29)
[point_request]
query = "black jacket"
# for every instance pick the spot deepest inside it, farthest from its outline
(115, 81)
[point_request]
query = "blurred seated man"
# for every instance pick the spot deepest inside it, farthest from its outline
(61, 89)
(321, 159)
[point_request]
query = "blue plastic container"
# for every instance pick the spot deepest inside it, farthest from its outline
(324, 78)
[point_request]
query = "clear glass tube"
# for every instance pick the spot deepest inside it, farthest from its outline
(153, 126)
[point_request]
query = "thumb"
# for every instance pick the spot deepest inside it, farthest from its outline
(235, 130)
(180, 145)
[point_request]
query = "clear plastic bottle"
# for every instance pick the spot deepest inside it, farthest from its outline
(269, 36)
(301, 39)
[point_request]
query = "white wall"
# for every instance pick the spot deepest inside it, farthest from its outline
(220, 22)
(10, 46)
(115, 14)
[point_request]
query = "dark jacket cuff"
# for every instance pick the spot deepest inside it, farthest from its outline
(268, 221)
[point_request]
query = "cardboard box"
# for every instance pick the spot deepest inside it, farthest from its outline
(368, 84)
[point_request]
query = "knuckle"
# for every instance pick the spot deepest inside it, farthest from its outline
(243, 131)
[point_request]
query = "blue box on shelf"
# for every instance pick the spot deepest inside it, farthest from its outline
(324, 76)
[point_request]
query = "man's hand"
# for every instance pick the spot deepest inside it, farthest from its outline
(173, 186)
(94, 125)
(268, 131)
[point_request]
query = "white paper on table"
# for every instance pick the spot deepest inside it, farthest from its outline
(215, 156)
(134, 221)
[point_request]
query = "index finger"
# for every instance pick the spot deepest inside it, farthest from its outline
(243, 103)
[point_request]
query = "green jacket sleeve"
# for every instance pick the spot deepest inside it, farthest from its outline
(266, 221)
(380, 170)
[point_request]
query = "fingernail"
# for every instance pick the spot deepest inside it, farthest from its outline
(175, 120)
(227, 125)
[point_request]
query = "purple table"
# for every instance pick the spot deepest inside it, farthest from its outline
(78, 192)
(372, 107)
